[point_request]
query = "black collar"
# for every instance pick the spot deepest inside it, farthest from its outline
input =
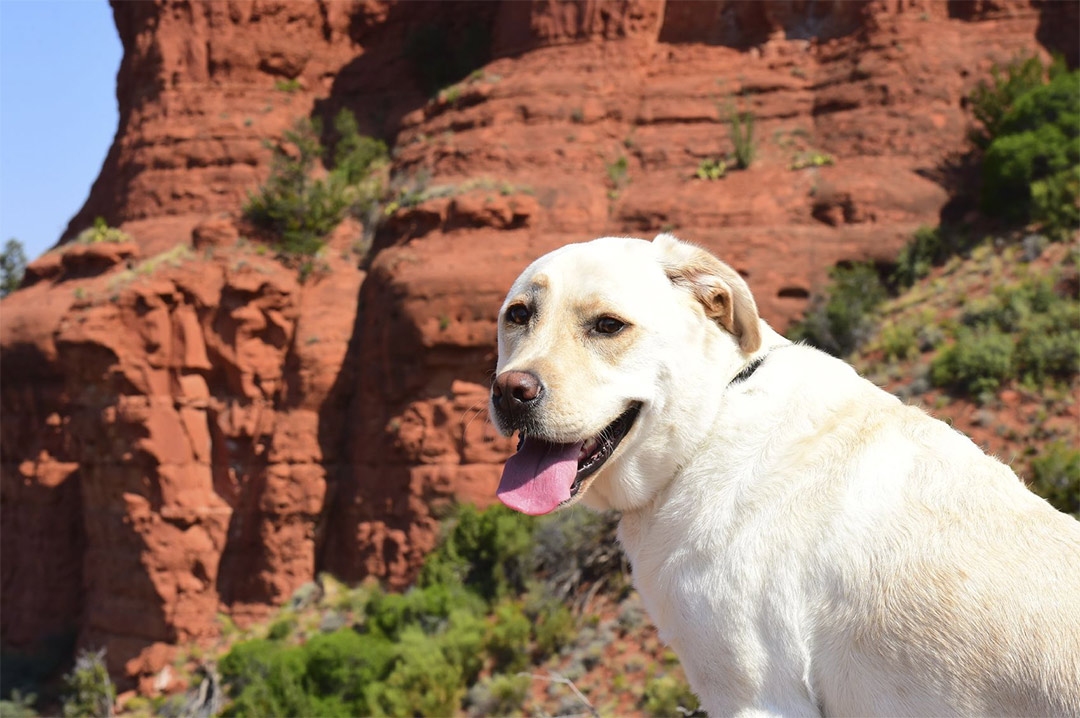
(749, 369)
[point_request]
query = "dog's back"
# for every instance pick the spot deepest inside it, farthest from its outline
(867, 558)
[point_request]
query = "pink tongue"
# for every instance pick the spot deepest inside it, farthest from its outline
(538, 477)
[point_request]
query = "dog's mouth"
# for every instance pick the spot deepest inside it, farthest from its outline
(544, 475)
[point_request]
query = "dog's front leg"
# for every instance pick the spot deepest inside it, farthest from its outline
(738, 683)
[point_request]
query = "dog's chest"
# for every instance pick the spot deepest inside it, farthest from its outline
(691, 584)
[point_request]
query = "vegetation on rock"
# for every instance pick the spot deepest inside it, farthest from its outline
(300, 208)
(12, 266)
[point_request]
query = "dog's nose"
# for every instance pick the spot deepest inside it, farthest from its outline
(514, 389)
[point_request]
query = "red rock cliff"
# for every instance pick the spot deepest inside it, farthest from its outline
(188, 429)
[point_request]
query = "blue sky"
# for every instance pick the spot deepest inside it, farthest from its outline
(58, 115)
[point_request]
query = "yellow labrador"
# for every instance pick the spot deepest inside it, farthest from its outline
(804, 541)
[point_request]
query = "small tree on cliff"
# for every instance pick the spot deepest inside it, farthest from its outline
(12, 266)
(302, 209)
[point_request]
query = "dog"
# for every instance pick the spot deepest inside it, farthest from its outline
(805, 542)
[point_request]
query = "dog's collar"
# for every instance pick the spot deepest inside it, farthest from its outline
(749, 369)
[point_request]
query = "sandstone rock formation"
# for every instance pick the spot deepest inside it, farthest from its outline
(189, 429)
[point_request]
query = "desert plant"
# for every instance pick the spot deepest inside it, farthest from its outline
(87, 689)
(1055, 475)
(898, 340)
(1031, 168)
(489, 552)
(300, 209)
(102, 232)
(509, 640)
(574, 548)
(991, 101)
(499, 695)
(741, 129)
(710, 169)
(617, 171)
(978, 361)
(840, 319)
(18, 705)
(811, 158)
(12, 266)
(667, 696)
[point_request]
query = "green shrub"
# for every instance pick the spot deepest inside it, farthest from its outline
(509, 640)
(356, 156)
(554, 625)
(1055, 475)
(977, 362)
(302, 210)
(102, 232)
(87, 689)
(499, 695)
(616, 171)
(282, 628)
(899, 341)
(489, 552)
(929, 247)
(1031, 168)
(811, 158)
(741, 129)
(18, 706)
(711, 169)
(1043, 325)
(990, 102)
(12, 266)
(667, 696)
(423, 682)
(841, 319)
(575, 548)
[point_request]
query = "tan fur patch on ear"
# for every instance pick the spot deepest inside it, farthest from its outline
(722, 292)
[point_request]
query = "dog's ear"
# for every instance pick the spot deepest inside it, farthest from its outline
(719, 288)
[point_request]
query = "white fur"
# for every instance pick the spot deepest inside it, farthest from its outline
(805, 542)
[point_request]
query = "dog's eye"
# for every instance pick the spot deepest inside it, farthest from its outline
(518, 314)
(609, 325)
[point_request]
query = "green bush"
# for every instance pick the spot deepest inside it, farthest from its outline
(282, 628)
(899, 341)
(1055, 475)
(710, 169)
(741, 129)
(423, 682)
(667, 696)
(264, 679)
(509, 640)
(991, 101)
(929, 247)
(417, 652)
(575, 548)
(102, 232)
(88, 692)
(841, 320)
(12, 266)
(978, 361)
(18, 706)
(300, 209)
(554, 626)
(1044, 330)
(1031, 168)
(489, 552)
(499, 695)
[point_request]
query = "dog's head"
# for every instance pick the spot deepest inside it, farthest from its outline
(612, 354)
